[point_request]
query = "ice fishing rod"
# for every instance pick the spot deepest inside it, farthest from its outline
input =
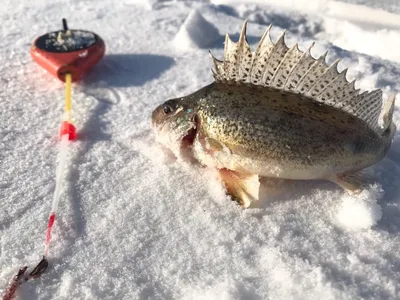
(68, 55)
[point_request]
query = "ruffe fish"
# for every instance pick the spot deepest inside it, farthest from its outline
(277, 112)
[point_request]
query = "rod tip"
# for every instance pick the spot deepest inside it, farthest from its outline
(65, 25)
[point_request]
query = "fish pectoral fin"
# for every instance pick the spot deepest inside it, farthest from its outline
(353, 183)
(243, 187)
(214, 145)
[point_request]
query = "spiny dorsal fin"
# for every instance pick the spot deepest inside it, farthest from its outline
(290, 69)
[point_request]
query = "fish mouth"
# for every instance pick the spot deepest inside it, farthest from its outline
(188, 139)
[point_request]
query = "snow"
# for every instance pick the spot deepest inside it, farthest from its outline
(196, 32)
(135, 223)
(359, 212)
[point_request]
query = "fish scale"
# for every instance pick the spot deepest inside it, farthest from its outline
(276, 123)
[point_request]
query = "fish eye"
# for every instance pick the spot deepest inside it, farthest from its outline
(167, 109)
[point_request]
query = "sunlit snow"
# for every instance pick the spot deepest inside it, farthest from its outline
(134, 222)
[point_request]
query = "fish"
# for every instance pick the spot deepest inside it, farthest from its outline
(279, 113)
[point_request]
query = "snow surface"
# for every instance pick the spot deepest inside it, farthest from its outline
(136, 224)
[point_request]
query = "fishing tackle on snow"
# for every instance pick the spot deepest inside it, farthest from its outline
(68, 55)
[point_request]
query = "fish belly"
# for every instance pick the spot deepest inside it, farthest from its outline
(267, 167)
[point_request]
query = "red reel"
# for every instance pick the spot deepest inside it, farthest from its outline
(68, 51)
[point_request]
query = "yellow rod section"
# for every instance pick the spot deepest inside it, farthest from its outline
(68, 100)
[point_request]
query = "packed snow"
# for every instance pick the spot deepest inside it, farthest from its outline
(134, 222)
(196, 32)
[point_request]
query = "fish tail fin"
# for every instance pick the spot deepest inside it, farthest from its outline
(353, 183)
(388, 127)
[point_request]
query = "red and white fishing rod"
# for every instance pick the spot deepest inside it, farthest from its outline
(67, 54)
(67, 133)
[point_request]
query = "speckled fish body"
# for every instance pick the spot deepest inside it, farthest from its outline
(280, 113)
(277, 134)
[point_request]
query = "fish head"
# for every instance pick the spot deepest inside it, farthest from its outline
(175, 125)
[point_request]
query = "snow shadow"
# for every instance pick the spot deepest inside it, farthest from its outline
(298, 24)
(125, 70)
(94, 130)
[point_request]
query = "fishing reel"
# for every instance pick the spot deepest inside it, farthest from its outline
(68, 51)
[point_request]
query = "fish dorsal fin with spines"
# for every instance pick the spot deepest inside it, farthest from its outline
(289, 69)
